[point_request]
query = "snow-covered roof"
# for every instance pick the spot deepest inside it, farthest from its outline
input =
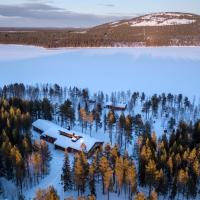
(120, 105)
(54, 133)
(45, 125)
(53, 130)
(65, 142)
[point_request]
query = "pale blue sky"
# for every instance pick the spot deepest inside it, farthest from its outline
(63, 13)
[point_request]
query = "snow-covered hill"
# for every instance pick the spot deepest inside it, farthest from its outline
(157, 29)
(158, 19)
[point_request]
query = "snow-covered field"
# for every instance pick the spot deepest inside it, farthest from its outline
(166, 69)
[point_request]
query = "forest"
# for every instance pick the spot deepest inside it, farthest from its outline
(104, 36)
(151, 150)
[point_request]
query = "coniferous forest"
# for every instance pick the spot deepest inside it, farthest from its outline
(151, 149)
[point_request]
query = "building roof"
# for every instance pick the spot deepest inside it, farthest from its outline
(53, 130)
(118, 105)
(45, 125)
(54, 133)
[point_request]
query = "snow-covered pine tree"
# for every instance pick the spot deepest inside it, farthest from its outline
(66, 174)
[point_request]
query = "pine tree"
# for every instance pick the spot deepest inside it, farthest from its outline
(170, 165)
(91, 197)
(121, 126)
(196, 167)
(103, 166)
(108, 180)
(150, 173)
(111, 120)
(47, 109)
(90, 119)
(114, 153)
(80, 172)
(45, 155)
(182, 179)
(92, 180)
(128, 129)
(18, 165)
(159, 181)
(36, 160)
(153, 195)
(83, 116)
(40, 195)
(52, 194)
(196, 133)
(66, 174)
(47, 194)
(119, 172)
(140, 196)
(130, 175)
(67, 112)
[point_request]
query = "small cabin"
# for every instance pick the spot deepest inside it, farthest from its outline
(117, 107)
(91, 101)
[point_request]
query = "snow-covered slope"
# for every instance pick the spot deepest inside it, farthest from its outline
(158, 19)
(157, 29)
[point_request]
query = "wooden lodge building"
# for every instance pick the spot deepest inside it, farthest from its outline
(66, 140)
(117, 107)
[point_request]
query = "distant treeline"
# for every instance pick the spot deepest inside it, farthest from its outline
(105, 36)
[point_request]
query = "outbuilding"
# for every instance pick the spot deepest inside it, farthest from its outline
(117, 107)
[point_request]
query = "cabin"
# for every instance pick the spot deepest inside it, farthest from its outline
(91, 101)
(66, 140)
(117, 107)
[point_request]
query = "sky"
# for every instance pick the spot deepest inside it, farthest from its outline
(84, 13)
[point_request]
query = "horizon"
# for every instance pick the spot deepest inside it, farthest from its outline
(79, 14)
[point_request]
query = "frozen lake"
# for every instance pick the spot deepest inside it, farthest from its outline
(152, 70)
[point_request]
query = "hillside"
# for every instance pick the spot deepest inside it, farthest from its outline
(158, 29)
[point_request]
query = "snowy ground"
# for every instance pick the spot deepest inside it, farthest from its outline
(54, 177)
(152, 70)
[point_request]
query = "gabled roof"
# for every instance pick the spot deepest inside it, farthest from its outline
(53, 130)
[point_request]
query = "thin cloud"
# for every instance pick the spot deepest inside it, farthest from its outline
(44, 15)
(107, 5)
